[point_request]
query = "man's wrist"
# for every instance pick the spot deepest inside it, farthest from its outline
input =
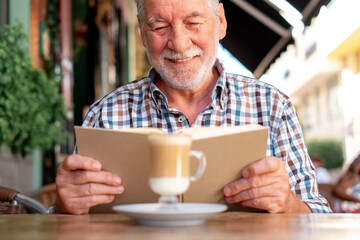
(295, 205)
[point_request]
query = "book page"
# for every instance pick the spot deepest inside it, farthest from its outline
(227, 151)
(209, 132)
(143, 130)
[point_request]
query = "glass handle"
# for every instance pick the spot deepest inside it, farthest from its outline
(200, 156)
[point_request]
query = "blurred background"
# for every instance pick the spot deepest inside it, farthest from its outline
(58, 56)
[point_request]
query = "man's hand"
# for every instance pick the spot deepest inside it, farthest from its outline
(81, 184)
(265, 185)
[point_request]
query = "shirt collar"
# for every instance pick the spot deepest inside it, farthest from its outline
(218, 93)
(155, 92)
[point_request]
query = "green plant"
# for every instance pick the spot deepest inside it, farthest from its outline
(330, 150)
(31, 107)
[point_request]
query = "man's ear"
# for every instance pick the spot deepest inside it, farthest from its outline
(222, 20)
(141, 31)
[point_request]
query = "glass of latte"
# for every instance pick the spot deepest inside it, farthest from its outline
(170, 167)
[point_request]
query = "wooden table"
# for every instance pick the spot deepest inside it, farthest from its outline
(229, 225)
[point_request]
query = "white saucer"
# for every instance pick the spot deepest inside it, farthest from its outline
(184, 215)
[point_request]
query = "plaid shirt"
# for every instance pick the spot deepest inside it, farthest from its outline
(235, 100)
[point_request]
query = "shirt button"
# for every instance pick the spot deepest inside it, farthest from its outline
(181, 119)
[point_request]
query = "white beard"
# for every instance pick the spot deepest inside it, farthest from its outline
(184, 78)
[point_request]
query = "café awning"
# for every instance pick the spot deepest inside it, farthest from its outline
(258, 32)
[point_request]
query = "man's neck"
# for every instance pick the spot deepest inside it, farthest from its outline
(190, 102)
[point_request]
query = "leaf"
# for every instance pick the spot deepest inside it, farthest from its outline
(31, 106)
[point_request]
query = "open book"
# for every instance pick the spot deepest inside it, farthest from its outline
(126, 153)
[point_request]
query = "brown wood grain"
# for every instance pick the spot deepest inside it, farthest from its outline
(228, 225)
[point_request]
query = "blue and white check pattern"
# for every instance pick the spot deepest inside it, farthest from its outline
(236, 100)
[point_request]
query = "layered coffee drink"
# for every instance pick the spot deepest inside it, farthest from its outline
(170, 164)
(169, 174)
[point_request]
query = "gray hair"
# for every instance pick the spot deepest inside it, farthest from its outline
(141, 9)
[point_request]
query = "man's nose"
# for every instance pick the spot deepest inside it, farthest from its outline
(179, 40)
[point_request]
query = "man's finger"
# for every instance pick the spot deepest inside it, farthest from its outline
(262, 166)
(98, 189)
(78, 162)
(270, 204)
(248, 183)
(252, 193)
(83, 204)
(82, 177)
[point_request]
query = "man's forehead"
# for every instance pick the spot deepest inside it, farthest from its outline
(182, 8)
(173, 1)
(174, 4)
(191, 14)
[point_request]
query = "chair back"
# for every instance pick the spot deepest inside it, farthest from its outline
(13, 202)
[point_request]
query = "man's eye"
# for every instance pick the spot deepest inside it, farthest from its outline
(159, 29)
(194, 24)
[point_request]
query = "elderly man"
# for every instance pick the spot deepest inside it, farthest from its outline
(188, 87)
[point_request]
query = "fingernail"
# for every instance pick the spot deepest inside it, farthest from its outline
(97, 165)
(245, 173)
(121, 189)
(117, 180)
(227, 191)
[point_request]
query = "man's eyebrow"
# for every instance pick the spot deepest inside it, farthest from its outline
(153, 20)
(195, 14)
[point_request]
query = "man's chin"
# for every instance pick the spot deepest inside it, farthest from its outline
(184, 83)
(184, 78)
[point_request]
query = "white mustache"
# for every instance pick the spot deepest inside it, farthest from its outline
(176, 56)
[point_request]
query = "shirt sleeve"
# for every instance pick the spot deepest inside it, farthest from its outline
(290, 147)
(90, 118)
(89, 121)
